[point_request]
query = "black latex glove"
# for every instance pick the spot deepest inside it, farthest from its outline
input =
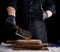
(11, 20)
(45, 15)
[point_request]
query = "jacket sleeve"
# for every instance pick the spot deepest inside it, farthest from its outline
(12, 3)
(50, 5)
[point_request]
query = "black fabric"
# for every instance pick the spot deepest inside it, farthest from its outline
(38, 30)
(12, 3)
(32, 15)
(32, 5)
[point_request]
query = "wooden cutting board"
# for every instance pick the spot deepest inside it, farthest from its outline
(31, 44)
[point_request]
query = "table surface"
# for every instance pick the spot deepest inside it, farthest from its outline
(7, 48)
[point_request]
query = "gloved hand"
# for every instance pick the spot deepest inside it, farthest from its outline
(45, 15)
(10, 24)
(11, 20)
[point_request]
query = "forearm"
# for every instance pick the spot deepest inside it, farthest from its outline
(11, 11)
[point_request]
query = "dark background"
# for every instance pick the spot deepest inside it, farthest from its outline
(52, 24)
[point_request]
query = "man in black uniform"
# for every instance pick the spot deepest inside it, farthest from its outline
(33, 12)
